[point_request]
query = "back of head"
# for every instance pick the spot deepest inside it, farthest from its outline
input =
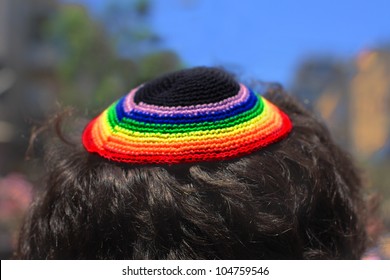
(208, 178)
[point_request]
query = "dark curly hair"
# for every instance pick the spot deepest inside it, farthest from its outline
(300, 198)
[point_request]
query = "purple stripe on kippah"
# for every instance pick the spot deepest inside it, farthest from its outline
(241, 97)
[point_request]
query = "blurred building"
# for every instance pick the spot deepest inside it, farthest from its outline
(27, 76)
(322, 84)
(370, 104)
(352, 98)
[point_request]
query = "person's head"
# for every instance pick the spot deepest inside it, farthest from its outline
(194, 165)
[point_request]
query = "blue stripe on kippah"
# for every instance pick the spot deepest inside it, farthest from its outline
(119, 108)
(183, 118)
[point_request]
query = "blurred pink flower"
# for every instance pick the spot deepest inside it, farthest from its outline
(15, 197)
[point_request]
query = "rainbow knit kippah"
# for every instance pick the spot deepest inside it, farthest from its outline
(194, 115)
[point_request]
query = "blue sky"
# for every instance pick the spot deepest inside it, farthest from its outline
(266, 39)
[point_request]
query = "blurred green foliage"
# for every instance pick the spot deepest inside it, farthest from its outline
(92, 70)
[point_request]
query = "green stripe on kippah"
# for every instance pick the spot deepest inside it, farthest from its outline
(133, 125)
(112, 119)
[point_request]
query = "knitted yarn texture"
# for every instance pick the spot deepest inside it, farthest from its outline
(195, 115)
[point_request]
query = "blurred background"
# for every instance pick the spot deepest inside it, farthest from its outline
(332, 55)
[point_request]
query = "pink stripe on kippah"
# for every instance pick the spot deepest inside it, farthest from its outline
(129, 105)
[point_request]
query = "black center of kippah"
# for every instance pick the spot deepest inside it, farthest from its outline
(194, 86)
